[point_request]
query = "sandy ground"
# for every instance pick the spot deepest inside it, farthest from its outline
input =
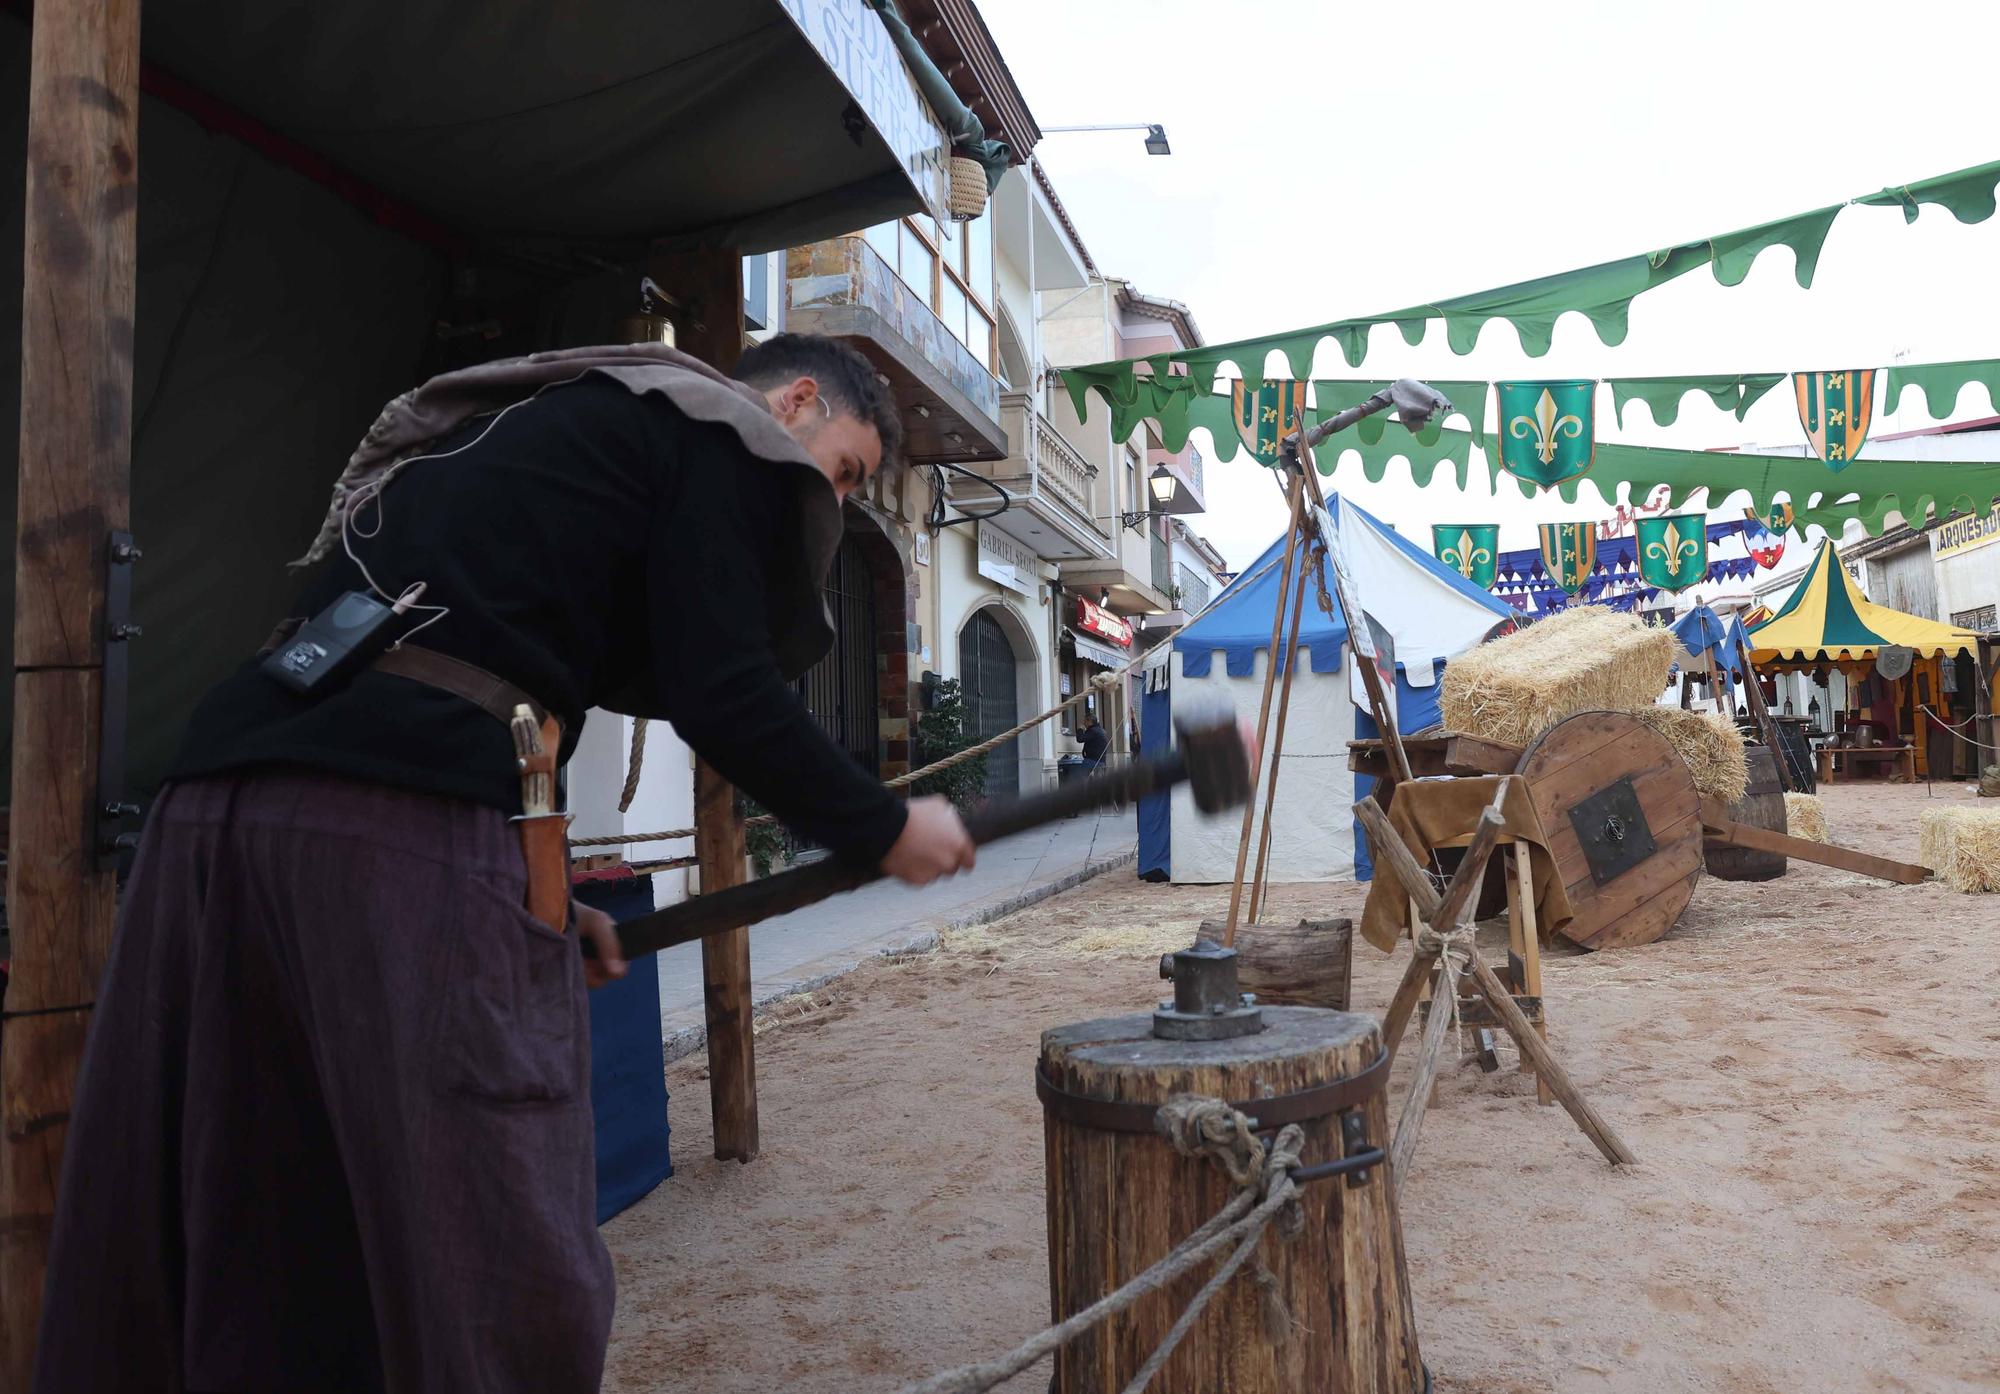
(1806, 1067)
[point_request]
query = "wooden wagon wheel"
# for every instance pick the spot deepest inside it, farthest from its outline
(1620, 811)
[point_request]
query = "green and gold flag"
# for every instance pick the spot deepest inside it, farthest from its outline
(1777, 518)
(1673, 549)
(1470, 549)
(1836, 410)
(1569, 553)
(1266, 414)
(1548, 430)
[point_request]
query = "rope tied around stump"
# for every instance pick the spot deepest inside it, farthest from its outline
(1266, 1196)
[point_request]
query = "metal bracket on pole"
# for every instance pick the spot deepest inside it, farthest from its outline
(110, 810)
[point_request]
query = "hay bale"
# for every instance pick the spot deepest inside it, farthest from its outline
(1962, 845)
(1587, 658)
(1711, 746)
(1805, 816)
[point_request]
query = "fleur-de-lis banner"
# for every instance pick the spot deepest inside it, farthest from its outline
(1673, 550)
(1836, 410)
(1267, 414)
(1470, 549)
(1548, 430)
(1569, 553)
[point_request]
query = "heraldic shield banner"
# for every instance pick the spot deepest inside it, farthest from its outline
(1266, 414)
(1673, 550)
(1836, 410)
(1548, 430)
(1569, 553)
(1470, 549)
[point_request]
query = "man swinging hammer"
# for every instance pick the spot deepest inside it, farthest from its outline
(333, 1127)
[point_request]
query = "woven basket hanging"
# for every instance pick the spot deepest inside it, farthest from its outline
(968, 189)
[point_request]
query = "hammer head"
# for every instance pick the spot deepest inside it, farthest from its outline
(1219, 755)
(1417, 403)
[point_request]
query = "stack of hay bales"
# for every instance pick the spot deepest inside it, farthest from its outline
(1585, 659)
(1805, 816)
(1962, 845)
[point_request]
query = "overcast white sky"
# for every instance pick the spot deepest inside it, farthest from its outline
(1334, 160)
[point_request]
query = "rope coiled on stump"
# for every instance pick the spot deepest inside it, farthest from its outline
(1266, 1196)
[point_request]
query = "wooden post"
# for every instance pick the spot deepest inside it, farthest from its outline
(75, 484)
(1982, 705)
(706, 286)
(1278, 736)
(1767, 728)
(1297, 493)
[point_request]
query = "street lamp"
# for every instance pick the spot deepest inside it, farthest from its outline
(1156, 134)
(1162, 484)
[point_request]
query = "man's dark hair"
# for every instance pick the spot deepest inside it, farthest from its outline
(845, 378)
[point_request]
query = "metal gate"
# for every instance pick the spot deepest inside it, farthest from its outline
(840, 689)
(986, 679)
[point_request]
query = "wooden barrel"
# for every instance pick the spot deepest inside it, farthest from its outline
(1120, 1196)
(1623, 821)
(1762, 806)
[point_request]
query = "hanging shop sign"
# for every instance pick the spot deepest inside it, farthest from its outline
(1548, 430)
(1836, 410)
(1093, 618)
(1569, 554)
(1964, 534)
(1673, 550)
(1470, 549)
(1006, 562)
(1266, 414)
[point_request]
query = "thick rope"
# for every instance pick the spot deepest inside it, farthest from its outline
(634, 763)
(1958, 730)
(1266, 1194)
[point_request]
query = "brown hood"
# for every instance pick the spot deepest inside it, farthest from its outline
(808, 513)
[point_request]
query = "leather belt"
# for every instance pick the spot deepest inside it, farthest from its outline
(1300, 1106)
(491, 693)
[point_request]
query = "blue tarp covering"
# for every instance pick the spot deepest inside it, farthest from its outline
(1701, 628)
(628, 1080)
(1156, 732)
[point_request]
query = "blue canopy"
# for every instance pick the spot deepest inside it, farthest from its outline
(1238, 621)
(1702, 629)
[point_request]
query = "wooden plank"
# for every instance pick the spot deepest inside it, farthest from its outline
(1549, 1069)
(1278, 736)
(1410, 1126)
(1473, 755)
(725, 973)
(1767, 728)
(1722, 828)
(74, 487)
(1416, 974)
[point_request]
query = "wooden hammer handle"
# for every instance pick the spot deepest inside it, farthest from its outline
(701, 916)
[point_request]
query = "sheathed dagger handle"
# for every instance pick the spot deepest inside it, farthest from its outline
(700, 916)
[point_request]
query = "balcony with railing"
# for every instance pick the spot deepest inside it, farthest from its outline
(1054, 489)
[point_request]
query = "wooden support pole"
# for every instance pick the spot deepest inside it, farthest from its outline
(1278, 735)
(1296, 493)
(78, 273)
(1767, 728)
(1409, 1127)
(1982, 705)
(707, 284)
(1547, 1068)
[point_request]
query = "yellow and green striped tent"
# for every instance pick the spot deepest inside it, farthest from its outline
(1828, 619)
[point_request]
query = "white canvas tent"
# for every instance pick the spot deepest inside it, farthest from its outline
(1432, 613)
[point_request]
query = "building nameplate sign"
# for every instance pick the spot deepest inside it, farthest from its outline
(1964, 534)
(1006, 562)
(1093, 618)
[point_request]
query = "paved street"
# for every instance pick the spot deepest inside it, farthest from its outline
(795, 951)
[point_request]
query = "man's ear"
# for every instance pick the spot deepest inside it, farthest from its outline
(799, 395)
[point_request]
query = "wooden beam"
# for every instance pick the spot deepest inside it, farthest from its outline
(1767, 728)
(1718, 826)
(725, 973)
(78, 274)
(1278, 736)
(1410, 1126)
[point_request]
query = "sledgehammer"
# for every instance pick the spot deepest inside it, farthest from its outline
(1213, 756)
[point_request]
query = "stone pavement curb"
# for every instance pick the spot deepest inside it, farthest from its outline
(924, 938)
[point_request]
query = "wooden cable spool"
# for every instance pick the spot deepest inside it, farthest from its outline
(1623, 821)
(1762, 806)
(1120, 1197)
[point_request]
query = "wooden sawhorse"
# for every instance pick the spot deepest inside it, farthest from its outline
(1522, 972)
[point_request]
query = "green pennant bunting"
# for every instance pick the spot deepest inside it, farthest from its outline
(1735, 393)
(1569, 553)
(1470, 549)
(1548, 430)
(1673, 549)
(1940, 384)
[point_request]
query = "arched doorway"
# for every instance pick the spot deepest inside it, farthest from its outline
(988, 679)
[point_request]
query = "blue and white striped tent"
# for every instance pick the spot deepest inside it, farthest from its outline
(1431, 611)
